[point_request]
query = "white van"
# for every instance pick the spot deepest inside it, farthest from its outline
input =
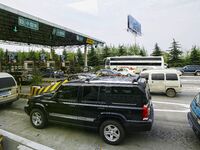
(8, 89)
(164, 80)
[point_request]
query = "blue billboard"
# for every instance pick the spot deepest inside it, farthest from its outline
(134, 25)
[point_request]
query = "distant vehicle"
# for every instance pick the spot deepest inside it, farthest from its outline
(81, 76)
(135, 63)
(108, 72)
(194, 69)
(113, 106)
(194, 115)
(51, 73)
(22, 76)
(8, 89)
(164, 80)
(126, 72)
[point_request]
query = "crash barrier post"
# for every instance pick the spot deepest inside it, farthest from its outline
(1, 142)
(36, 90)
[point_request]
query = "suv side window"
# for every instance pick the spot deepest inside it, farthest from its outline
(121, 95)
(90, 94)
(68, 93)
(171, 76)
(157, 76)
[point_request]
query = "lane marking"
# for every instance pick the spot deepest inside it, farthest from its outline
(172, 110)
(171, 103)
(24, 141)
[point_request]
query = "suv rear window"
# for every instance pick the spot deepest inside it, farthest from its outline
(7, 82)
(171, 76)
(121, 95)
(158, 76)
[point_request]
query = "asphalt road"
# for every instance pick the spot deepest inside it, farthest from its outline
(170, 130)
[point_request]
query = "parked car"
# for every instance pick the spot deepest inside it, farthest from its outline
(125, 72)
(194, 115)
(8, 89)
(112, 105)
(164, 80)
(22, 77)
(108, 72)
(194, 69)
(51, 73)
(81, 76)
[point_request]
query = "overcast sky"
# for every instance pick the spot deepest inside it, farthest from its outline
(161, 20)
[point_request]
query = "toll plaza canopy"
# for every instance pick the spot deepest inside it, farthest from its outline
(17, 26)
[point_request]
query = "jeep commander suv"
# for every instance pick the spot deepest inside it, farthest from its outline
(113, 105)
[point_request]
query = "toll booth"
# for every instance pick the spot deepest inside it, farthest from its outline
(51, 64)
(28, 65)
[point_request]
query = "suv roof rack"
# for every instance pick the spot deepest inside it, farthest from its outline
(114, 80)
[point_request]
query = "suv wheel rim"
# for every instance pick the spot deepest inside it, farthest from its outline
(36, 118)
(111, 133)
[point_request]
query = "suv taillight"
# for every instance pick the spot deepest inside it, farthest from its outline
(145, 112)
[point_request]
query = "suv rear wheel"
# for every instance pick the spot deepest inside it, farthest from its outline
(171, 93)
(38, 118)
(112, 132)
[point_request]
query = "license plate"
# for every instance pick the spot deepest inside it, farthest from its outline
(5, 93)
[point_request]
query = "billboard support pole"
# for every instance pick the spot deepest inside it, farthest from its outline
(85, 56)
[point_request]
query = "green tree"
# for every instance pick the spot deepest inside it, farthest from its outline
(80, 57)
(65, 54)
(93, 59)
(134, 50)
(121, 50)
(143, 52)
(157, 51)
(195, 56)
(2, 56)
(106, 52)
(174, 54)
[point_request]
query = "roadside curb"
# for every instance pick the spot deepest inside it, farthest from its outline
(23, 142)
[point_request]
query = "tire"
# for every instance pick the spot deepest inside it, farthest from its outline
(38, 119)
(171, 93)
(112, 132)
(198, 73)
(196, 133)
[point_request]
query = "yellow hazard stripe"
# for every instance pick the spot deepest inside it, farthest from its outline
(35, 91)
(46, 89)
(40, 91)
(55, 86)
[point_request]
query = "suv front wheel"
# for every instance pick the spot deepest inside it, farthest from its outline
(112, 132)
(38, 118)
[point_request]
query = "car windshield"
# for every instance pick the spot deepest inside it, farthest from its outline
(197, 98)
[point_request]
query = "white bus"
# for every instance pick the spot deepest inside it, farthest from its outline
(135, 63)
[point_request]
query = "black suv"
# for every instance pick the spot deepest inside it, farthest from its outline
(113, 105)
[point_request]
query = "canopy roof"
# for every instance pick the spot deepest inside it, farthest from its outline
(17, 26)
